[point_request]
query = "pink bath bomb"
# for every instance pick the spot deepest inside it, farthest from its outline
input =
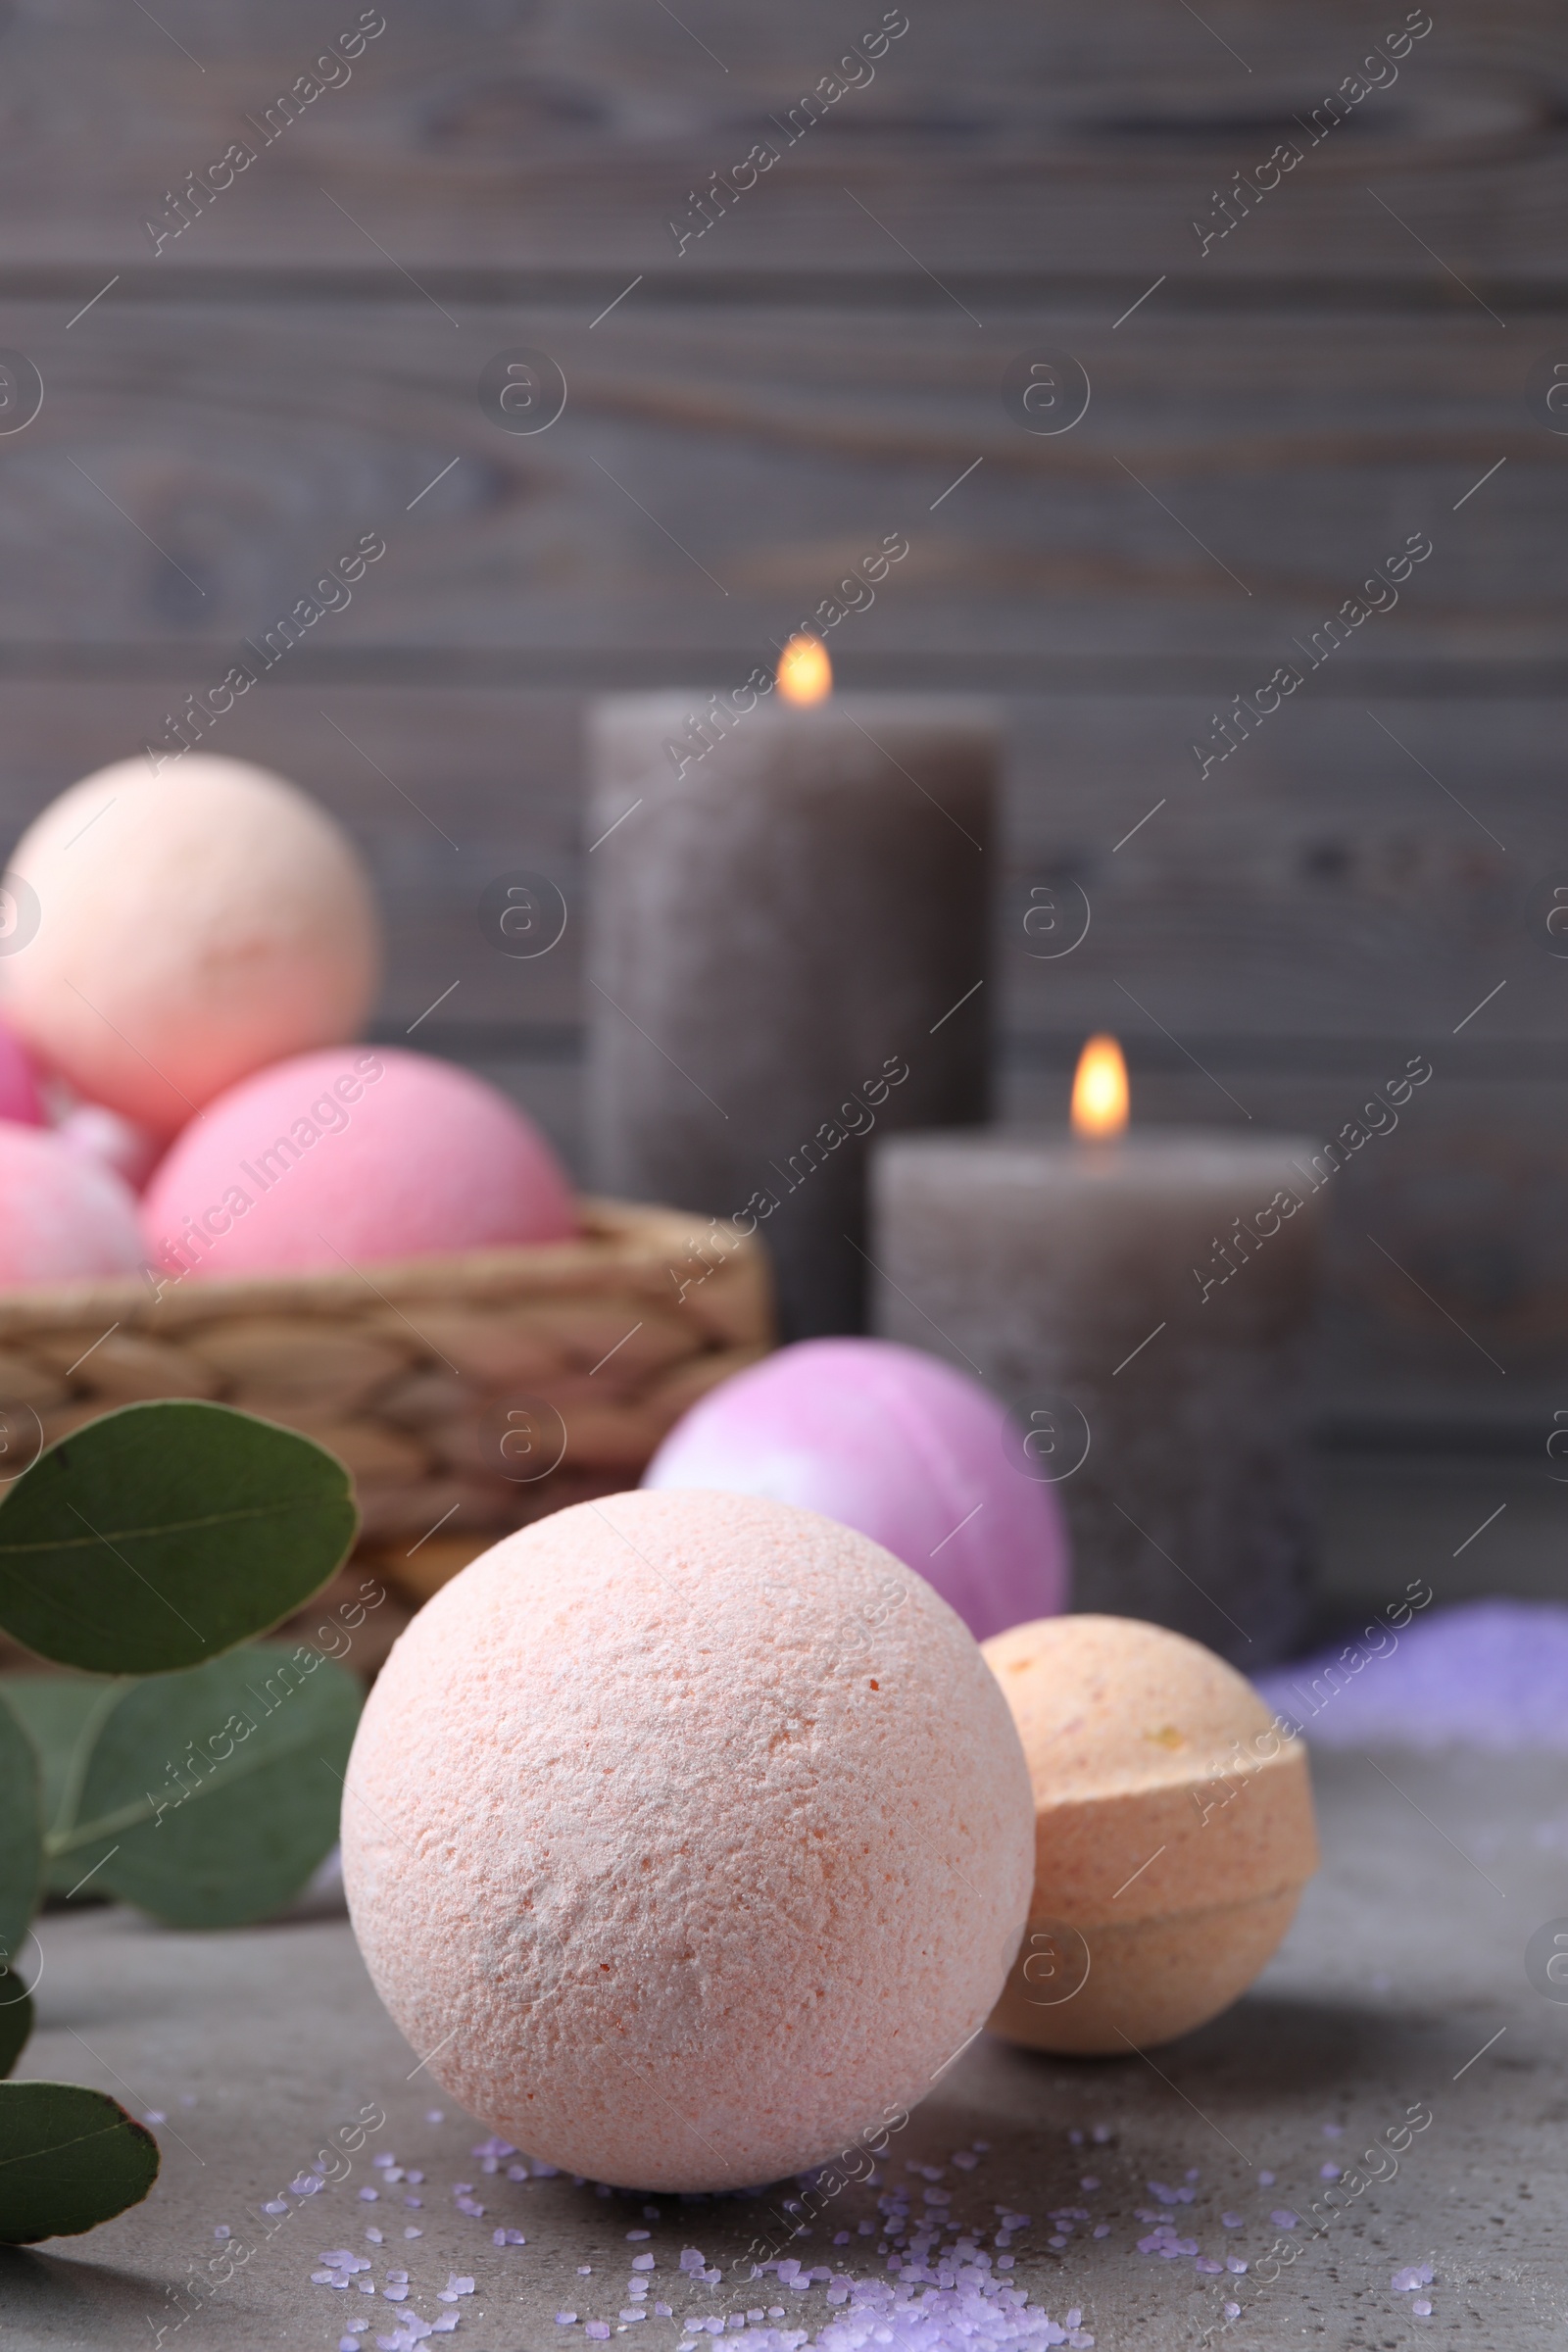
(63, 1216)
(896, 1444)
(690, 1835)
(359, 1154)
(19, 1083)
(132, 1152)
(191, 927)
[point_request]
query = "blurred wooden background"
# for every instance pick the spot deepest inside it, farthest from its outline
(1269, 418)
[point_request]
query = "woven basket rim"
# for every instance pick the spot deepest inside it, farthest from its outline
(623, 1243)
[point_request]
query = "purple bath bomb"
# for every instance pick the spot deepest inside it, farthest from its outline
(18, 1085)
(897, 1445)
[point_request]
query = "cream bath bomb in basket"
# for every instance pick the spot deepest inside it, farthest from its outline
(182, 930)
(690, 1834)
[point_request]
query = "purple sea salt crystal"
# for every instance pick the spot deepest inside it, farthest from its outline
(1418, 2274)
(565, 2318)
(1283, 2218)
(1485, 1673)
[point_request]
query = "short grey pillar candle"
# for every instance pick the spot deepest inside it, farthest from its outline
(787, 952)
(1144, 1307)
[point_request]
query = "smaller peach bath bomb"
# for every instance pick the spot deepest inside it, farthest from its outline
(190, 927)
(690, 1836)
(1173, 1832)
(359, 1155)
(62, 1217)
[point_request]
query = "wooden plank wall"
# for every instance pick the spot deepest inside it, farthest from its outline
(1283, 388)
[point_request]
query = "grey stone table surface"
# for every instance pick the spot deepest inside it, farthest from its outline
(1403, 1985)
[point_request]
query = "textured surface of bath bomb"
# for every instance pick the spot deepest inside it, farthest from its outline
(360, 1153)
(192, 927)
(898, 1444)
(19, 1084)
(1174, 1833)
(692, 1837)
(62, 1217)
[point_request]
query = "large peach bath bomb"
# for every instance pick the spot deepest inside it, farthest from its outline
(1174, 1833)
(691, 1836)
(898, 1444)
(62, 1217)
(190, 928)
(356, 1156)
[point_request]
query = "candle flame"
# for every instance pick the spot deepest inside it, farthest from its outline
(1099, 1095)
(804, 672)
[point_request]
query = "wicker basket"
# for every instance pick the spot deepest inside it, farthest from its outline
(467, 1394)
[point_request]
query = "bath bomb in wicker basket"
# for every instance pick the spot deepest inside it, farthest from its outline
(691, 1835)
(1174, 1833)
(352, 1157)
(19, 1083)
(913, 1453)
(189, 927)
(63, 1217)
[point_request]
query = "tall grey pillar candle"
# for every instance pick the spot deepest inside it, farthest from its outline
(787, 925)
(1144, 1307)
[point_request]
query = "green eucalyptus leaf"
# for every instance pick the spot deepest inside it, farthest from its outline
(70, 2158)
(166, 1532)
(16, 2021)
(21, 1837)
(210, 1796)
(61, 1714)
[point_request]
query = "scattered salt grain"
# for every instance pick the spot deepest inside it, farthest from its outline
(434, 2115)
(642, 2262)
(1265, 2179)
(1416, 2276)
(565, 2318)
(1422, 2308)
(367, 2196)
(1233, 2221)
(410, 2231)
(1328, 2172)
(632, 2236)
(1283, 2218)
